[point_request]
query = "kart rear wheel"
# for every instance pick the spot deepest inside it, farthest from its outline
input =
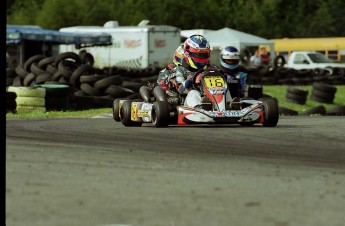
(125, 114)
(271, 112)
(160, 114)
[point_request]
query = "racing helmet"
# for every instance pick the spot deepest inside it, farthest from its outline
(178, 55)
(230, 57)
(197, 51)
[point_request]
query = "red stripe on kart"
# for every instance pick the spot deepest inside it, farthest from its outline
(262, 116)
(181, 117)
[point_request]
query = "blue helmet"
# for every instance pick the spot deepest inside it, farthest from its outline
(197, 51)
(230, 57)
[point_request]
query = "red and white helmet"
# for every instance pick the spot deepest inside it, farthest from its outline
(197, 51)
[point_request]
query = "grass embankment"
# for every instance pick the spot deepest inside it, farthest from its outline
(274, 91)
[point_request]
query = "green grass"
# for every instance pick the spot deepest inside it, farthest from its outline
(61, 114)
(280, 91)
(274, 90)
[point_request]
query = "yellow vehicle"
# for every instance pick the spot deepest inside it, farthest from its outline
(332, 47)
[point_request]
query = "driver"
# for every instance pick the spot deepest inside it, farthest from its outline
(178, 80)
(236, 74)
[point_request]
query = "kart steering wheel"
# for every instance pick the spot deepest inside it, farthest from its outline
(196, 75)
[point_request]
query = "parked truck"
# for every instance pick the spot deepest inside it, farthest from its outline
(306, 60)
(134, 47)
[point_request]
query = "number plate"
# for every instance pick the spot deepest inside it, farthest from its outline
(214, 81)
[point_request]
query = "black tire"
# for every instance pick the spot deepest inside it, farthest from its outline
(20, 71)
(56, 90)
(116, 108)
(325, 87)
(18, 81)
(317, 110)
(67, 68)
(295, 98)
(104, 83)
(34, 68)
(321, 99)
(322, 94)
(85, 69)
(125, 115)
(336, 111)
(91, 79)
(29, 78)
(297, 91)
(51, 69)
(279, 61)
(287, 111)
(271, 113)
(91, 91)
(42, 78)
(255, 91)
(160, 114)
(87, 58)
(67, 55)
(35, 58)
(118, 91)
(133, 85)
(45, 62)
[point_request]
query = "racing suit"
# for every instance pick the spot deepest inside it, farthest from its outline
(237, 81)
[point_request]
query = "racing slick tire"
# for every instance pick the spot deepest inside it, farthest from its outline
(116, 109)
(271, 112)
(125, 115)
(160, 114)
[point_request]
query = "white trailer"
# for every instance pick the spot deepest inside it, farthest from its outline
(137, 47)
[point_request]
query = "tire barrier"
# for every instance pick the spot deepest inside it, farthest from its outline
(279, 75)
(296, 95)
(287, 111)
(317, 110)
(255, 91)
(11, 104)
(57, 96)
(88, 87)
(323, 93)
(99, 87)
(29, 99)
(336, 111)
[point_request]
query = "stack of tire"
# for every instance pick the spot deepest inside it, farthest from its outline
(296, 95)
(89, 87)
(255, 91)
(57, 96)
(29, 99)
(323, 93)
(11, 104)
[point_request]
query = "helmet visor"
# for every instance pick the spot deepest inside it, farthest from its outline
(231, 61)
(200, 55)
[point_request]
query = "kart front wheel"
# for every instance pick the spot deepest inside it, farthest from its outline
(125, 114)
(271, 112)
(160, 114)
(116, 109)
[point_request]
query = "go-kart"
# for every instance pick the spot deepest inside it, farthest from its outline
(155, 107)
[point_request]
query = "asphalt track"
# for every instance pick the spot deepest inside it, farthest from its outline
(97, 172)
